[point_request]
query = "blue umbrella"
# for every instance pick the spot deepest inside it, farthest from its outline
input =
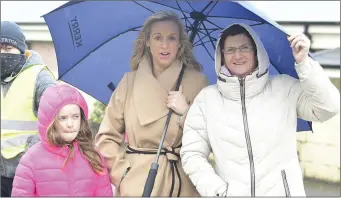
(94, 40)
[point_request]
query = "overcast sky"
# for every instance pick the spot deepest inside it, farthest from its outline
(30, 11)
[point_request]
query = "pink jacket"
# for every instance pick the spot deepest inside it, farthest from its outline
(40, 171)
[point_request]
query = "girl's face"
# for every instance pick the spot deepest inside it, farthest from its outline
(68, 122)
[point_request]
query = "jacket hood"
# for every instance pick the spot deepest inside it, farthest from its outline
(52, 100)
(262, 55)
(33, 58)
(229, 85)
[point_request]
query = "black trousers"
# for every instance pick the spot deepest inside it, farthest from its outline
(6, 186)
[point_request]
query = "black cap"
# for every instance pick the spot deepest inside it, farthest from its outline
(11, 34)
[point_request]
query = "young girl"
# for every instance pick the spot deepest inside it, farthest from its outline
(65, 162)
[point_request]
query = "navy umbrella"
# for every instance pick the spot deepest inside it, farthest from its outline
(94, 40)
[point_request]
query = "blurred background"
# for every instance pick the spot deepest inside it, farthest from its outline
(319, 152)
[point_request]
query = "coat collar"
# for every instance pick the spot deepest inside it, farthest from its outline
(229, 86)
(150, 93)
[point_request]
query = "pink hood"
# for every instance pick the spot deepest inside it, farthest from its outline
(52, 100)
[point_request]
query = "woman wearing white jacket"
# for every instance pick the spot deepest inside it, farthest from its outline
(248, 119)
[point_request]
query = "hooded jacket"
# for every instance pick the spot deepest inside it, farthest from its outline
(250, 126)
(41, 172)
(43, 80)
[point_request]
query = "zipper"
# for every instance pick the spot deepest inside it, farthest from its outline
(285, 183)
(247, 137)
(70, 171)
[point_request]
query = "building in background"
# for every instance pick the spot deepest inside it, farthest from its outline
(324, 36)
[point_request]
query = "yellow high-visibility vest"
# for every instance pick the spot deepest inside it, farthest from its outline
(18, 121)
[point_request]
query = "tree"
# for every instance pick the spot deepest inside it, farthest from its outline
(98, 112)
(96, 117)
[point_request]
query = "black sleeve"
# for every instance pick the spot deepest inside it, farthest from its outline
(44, 80)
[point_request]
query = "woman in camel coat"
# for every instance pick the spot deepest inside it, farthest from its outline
(139, 106)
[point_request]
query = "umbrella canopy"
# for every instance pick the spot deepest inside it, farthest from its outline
(94, 40)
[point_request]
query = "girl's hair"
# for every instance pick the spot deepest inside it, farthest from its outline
(185, 53)
(84, 139)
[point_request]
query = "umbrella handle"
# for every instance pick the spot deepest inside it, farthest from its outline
(148, 188)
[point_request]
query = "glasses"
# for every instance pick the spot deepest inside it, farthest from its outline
(243, 48)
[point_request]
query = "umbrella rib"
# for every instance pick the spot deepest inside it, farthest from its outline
(185, 17)
(205, 47)
(144, 7)
(97, 49)
(165, 5)
(183, 13)
(209, 35)
(208, 5)
(235, 18)
(196, 43)
(212, 8)
(260, 23)
(190, 5)
(188, 22)
(213, 29)
(213, 24)
(274, 66)
(197, 29)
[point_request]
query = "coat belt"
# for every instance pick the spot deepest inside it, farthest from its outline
(173, 157)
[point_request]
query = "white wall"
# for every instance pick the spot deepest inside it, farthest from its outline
(319, 152)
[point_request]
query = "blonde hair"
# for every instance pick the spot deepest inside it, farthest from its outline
(185, 53)
(85, 141)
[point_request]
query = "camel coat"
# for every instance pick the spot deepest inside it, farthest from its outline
(138, 107)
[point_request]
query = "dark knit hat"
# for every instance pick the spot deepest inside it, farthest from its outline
(11, 34)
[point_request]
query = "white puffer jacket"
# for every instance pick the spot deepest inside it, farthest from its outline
(250, 126)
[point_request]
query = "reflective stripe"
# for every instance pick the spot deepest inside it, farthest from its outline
(19, 125)
(13, 142)
(11, 152)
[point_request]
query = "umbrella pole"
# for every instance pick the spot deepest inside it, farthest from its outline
(194, 31)
(148, 187)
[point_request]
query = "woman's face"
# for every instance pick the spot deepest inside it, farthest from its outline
(239, 55)
(164, 43)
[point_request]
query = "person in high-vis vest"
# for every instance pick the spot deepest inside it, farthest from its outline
(24, 77)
